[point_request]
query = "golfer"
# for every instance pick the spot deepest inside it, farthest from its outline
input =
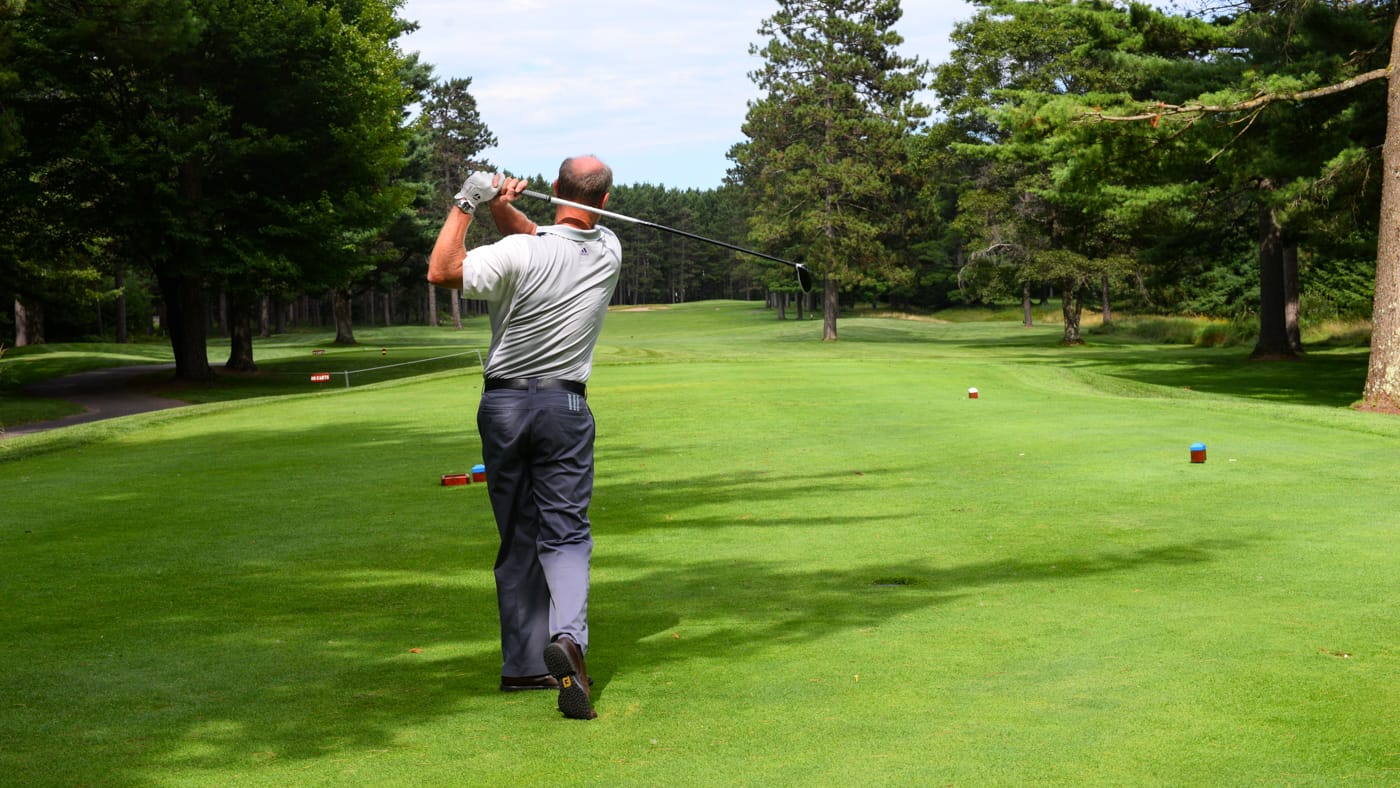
(548, 290)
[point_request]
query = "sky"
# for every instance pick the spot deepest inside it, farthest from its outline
(658, 90)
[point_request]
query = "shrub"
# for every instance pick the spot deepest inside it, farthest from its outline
(1215, 333)
(1164, 330)
(1242, 330)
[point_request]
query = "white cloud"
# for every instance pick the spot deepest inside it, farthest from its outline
(659, 91)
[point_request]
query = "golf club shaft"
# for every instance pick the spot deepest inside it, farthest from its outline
(611, 215)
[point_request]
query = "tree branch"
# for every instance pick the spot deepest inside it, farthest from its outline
(995, 249)
(1254, 104)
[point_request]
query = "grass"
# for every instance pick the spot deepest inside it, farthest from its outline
(816, 563)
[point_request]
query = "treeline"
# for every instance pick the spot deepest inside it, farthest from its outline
(660, 267)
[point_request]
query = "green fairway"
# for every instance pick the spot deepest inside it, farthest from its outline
(816, 563)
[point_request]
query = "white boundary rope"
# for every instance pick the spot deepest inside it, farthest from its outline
(348, 372)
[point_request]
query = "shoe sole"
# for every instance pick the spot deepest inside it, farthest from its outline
(532, 688)
(573, 696)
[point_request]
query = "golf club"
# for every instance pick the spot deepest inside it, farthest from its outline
(804, 276)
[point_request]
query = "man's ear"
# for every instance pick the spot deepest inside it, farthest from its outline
(554, 187)
(604, 204)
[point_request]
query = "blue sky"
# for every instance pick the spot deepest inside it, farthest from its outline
(657, 90)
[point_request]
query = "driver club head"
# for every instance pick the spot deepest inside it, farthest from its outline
(804, 277)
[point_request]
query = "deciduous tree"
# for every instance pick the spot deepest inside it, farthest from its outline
(232, 143)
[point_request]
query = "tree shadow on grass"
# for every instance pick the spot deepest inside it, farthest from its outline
(1332, 379)
(274, 615)
(769, 605)
(305, 663)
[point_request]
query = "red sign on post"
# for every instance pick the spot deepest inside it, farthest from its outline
(321, 377)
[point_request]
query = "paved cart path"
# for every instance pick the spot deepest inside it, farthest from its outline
(102, 393)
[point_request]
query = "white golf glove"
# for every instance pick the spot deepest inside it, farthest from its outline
(475, 190)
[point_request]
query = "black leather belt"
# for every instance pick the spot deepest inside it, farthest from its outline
(541, 384)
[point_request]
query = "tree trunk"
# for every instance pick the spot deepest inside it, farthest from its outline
(831, 300)
(1292, 312)
(344, 330)
(184, 322)
(432, 305)
(1071, 307)
(1107, 309)
(1273, 329)
(782, 300)
(831, 306)
(1382, 391)
(29, 323)
(1026, 319)
(122, 337)
(240, 332)
(456, 310)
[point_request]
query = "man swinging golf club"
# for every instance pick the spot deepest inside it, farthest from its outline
(548, 289)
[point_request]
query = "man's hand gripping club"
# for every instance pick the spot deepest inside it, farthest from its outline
(479, 187)
(445, 262)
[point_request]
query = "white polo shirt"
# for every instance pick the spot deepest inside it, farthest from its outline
(548, 294)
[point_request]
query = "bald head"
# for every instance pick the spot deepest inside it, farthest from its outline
(584, 179)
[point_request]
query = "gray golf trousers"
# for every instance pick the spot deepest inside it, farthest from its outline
(538, 451)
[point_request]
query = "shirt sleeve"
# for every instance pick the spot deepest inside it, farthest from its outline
(488, 270)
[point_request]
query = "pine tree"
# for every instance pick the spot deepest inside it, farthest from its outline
(826, 139)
